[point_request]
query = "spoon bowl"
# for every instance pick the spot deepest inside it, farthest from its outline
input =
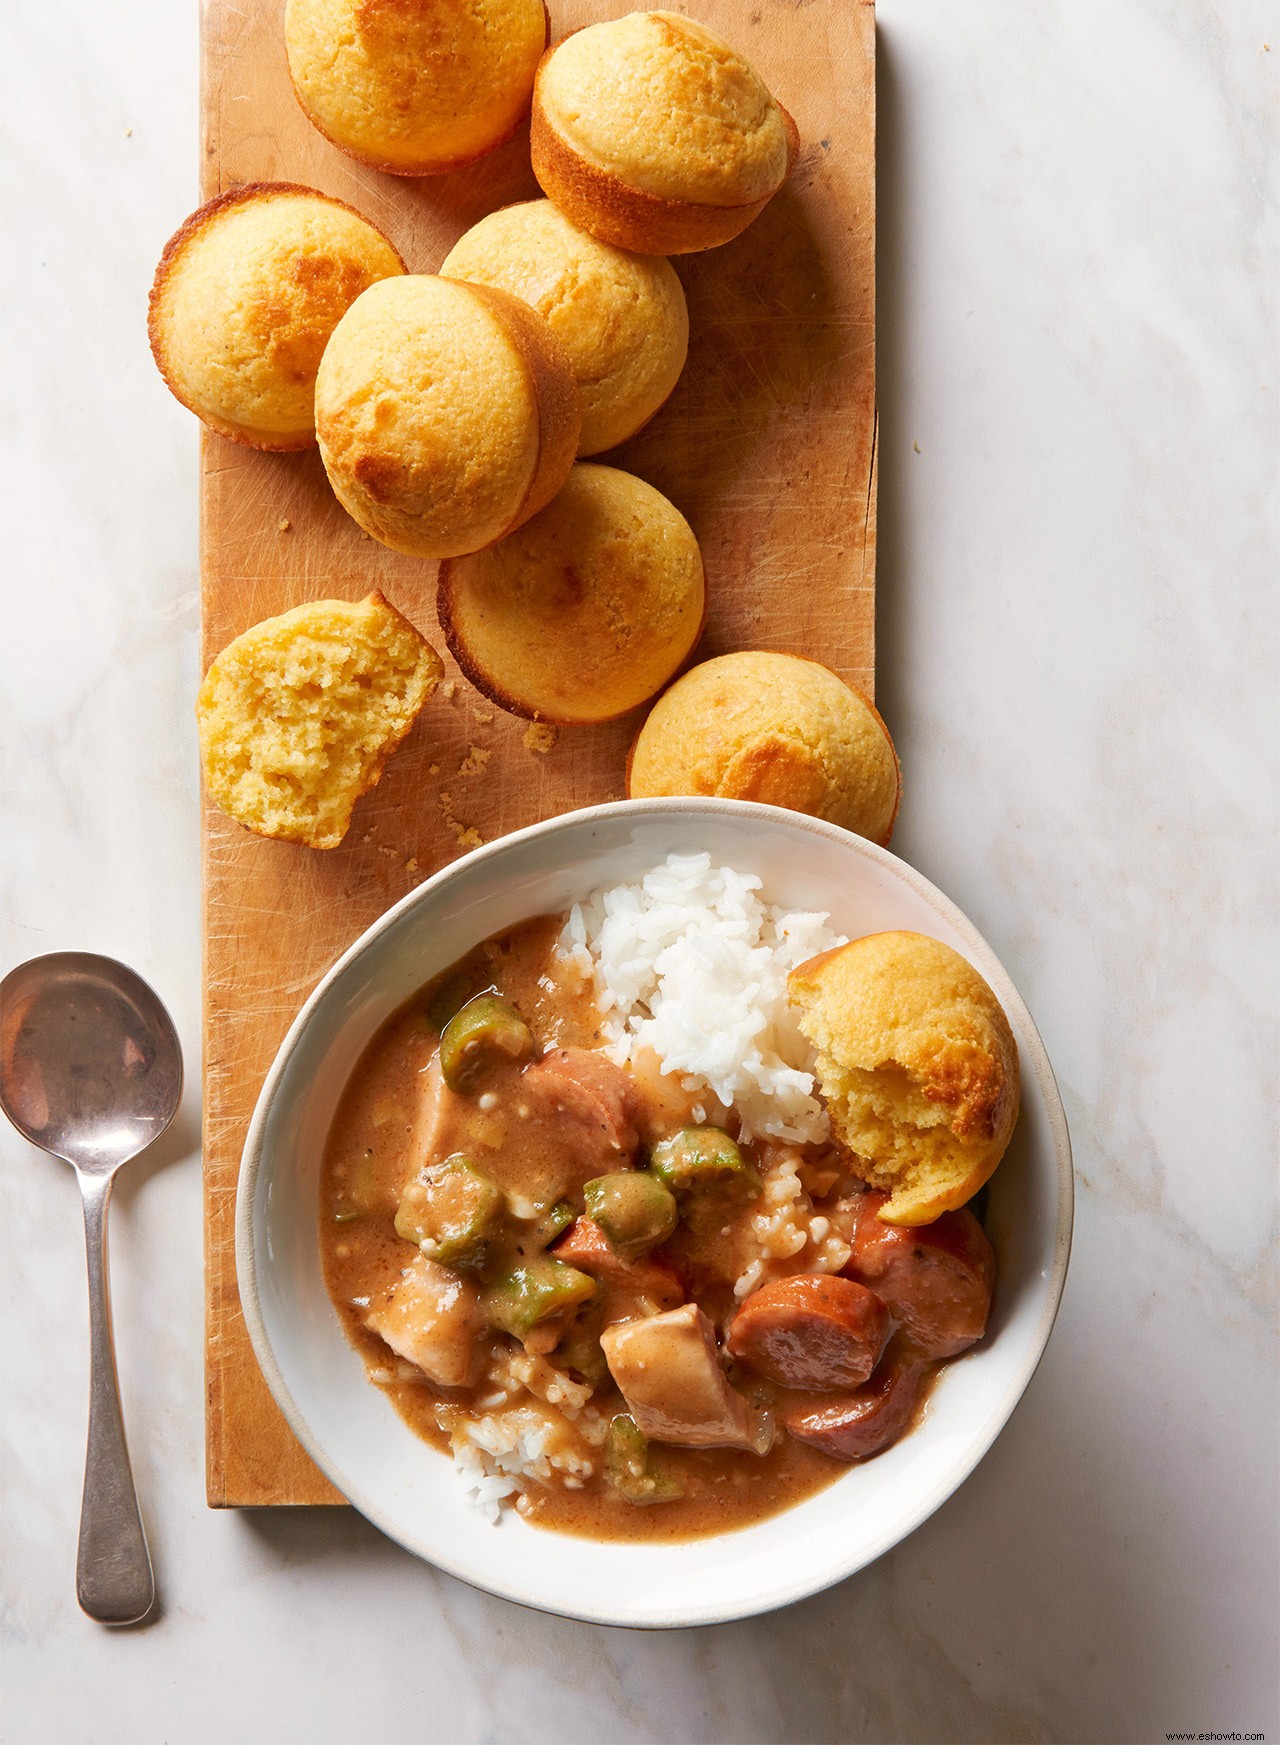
(91, 1072)
(90, 1063)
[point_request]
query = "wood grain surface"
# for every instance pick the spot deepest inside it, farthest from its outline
(767, 446)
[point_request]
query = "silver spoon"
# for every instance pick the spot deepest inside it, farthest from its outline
(91, 1071)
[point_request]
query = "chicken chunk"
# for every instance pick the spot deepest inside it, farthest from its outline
(669, 1372)
(433, 1318)
(444, 1121)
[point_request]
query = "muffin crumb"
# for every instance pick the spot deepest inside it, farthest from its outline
(540, 736)
(464, 834)
(475, 760)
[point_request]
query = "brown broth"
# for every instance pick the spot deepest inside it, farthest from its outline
(371, 1153)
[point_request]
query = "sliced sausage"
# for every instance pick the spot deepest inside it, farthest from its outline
(811, 1331)
(935, 1279)
(590, 1089)
(585, 1245)
(861, 1424)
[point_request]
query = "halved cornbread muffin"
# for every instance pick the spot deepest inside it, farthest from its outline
(415, 87)
(299, 715)
(245, 298)
(651, 133)
(585, 611)
(447, 414)
(774, 728)
(917, 1066)
(621, 317)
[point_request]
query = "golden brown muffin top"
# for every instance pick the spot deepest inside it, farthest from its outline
(427, 414)
(621, 317)
(773, 728)
(582, 613)
(245, 298)
(415, 86)
(666, 105)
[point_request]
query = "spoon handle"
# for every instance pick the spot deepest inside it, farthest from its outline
(114, 1583)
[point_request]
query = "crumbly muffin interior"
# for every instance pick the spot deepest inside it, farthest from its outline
(299, 715)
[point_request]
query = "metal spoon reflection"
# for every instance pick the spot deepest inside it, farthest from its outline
(91, 1071)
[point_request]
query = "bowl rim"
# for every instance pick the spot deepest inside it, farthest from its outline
(1035, 1057)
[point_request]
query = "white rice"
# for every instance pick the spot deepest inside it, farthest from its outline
(691, 963)
(537, 1429)
(787, 1234)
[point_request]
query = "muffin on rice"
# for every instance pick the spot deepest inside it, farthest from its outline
(917, 1066)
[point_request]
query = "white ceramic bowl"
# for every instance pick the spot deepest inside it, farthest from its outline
(406, 1488)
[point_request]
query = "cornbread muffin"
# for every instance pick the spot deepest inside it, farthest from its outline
(447, 414)
(773, 728)
(621, 317)
(587, 610)
(245, 298)
(917, 1066)
(652, 134)
(414, 87)
(299, 715)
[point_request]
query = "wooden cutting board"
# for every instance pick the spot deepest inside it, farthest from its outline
(768, 446)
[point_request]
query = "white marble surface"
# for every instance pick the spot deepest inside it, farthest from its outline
(1078, 224)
